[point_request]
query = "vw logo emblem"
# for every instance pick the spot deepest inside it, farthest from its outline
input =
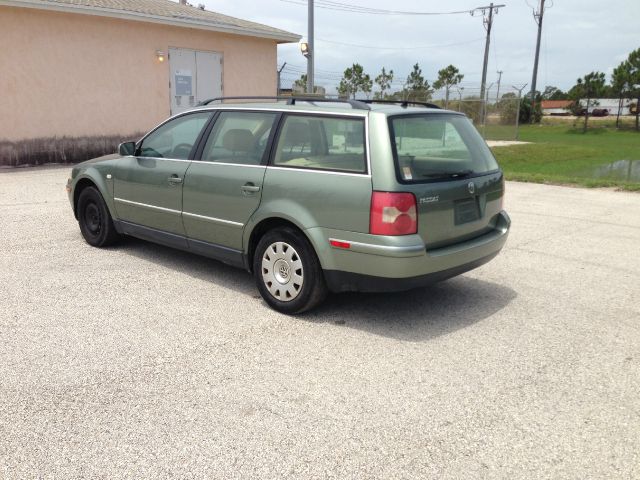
(472, 188)
(284, 270)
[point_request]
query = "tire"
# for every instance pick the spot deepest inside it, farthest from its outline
(96, 224)
(287, 271)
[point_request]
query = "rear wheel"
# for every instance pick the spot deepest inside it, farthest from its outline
(96, 224)
(287, 271)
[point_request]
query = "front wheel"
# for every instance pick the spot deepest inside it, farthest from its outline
(287, 271)
(96, 224)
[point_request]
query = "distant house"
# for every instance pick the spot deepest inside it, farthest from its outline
(75, 73)
(555, 107)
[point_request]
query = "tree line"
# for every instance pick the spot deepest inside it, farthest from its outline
(624, 84)
(414, 88)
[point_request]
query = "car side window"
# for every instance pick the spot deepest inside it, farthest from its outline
(324, 143)
(175, 138)
(239, 137)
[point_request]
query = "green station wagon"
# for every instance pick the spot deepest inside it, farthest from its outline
(309, 195)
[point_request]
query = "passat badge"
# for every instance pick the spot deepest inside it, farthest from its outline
(472, 188)
(435, 198)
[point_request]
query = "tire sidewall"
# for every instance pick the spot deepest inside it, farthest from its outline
(310, 267)
(88, 196)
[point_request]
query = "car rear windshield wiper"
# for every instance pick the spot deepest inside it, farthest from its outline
(458, 174)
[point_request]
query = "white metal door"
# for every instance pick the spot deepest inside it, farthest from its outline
(195, 76)
(209, 75)
(182, 66)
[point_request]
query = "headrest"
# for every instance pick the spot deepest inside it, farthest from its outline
(297, 133)
(238, 140)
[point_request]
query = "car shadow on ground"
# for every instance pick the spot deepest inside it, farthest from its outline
(420, 314)
(415, 315)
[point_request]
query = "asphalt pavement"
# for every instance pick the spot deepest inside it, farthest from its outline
(139, 361)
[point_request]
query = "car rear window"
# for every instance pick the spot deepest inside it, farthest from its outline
(430, 147)
(322, 143)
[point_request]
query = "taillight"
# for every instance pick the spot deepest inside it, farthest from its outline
(393, 214)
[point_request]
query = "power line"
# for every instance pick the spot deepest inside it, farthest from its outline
(303, 69)
(300, 70)
(321, 75)
(334, 5)
(336, 75)
(295, 68)
(346, 7)
(300, 73)
(398, 48)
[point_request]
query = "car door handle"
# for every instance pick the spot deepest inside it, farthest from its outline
(249, 188)
(174, 180)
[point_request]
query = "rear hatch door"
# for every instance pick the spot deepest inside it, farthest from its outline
(457, 210)
(443, 161)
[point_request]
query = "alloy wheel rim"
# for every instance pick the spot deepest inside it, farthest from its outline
(282, 271)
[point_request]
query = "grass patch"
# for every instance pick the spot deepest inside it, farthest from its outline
(561, 154)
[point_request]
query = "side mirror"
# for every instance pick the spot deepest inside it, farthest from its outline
(127, 148)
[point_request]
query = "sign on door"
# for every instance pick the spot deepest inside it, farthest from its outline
(184, 83)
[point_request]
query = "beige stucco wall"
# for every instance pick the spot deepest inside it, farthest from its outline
(76, 75)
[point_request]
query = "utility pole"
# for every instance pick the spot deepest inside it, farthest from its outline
(487, 20)
(312, 52)
(460, 90)
(485, 102)
(499, 72)
(518, 108)
(279, 72)
(537, 16)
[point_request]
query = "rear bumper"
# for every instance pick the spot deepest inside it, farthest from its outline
(402, 263)
(338, 281)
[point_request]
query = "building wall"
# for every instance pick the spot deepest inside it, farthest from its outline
(555, 111)
(610, 104)
(78, 75)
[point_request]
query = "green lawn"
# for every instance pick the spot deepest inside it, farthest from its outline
(560, 154)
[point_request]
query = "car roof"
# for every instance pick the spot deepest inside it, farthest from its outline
(338, 107)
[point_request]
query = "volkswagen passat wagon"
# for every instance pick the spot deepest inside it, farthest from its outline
(310, 196)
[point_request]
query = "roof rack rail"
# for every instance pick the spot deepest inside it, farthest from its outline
(355, 104)
(402, 103)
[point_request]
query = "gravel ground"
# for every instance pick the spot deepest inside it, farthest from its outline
(143, 362)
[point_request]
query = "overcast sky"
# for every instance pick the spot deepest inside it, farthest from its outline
(578, 36)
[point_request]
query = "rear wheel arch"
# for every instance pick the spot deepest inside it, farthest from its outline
(287, 270)
(264, 226)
